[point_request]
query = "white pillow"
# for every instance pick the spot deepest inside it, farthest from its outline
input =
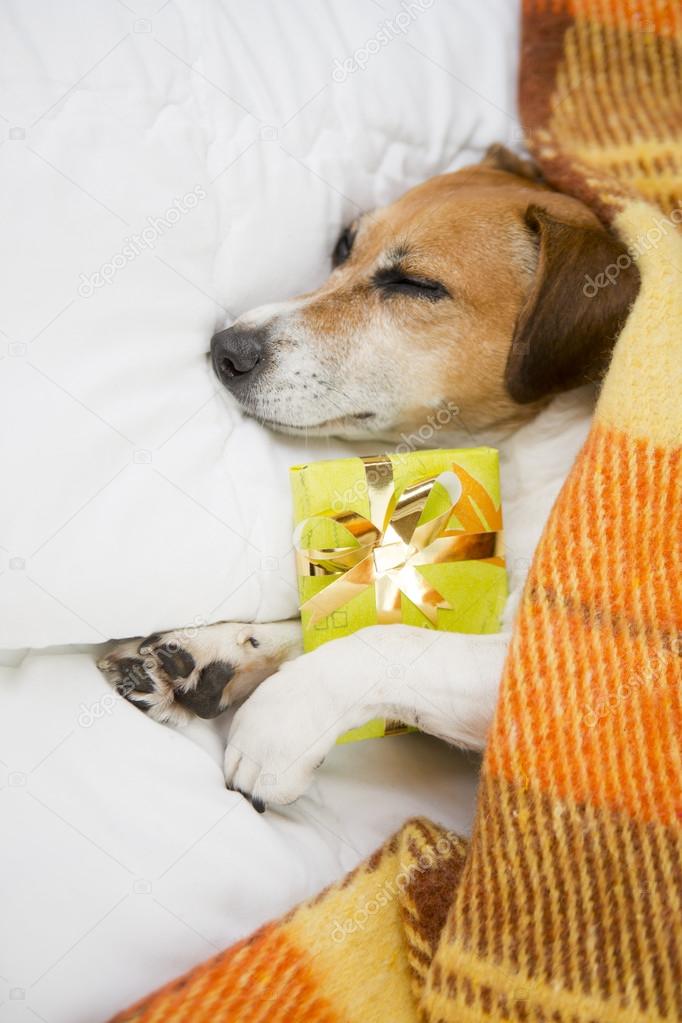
(161, 174)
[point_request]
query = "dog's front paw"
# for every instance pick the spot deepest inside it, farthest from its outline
(282, 733)
(131, 674)
(166, 677)
(198, 671)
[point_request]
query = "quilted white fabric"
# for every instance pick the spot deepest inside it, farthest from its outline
(166, 167)
(124, 861)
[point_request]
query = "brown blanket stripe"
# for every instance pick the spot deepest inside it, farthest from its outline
(566, 905)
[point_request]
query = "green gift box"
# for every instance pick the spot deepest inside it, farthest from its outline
(412, 538)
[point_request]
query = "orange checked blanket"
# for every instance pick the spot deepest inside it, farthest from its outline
(566, 904)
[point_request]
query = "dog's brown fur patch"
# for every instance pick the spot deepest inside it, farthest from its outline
(469, 230)
(467, 292)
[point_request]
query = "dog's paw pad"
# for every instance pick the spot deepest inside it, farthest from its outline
(132, 675)
(175, 661)
(199, 671)
(129, 674)
(152, 673)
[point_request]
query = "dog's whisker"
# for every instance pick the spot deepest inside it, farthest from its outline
(337, 390)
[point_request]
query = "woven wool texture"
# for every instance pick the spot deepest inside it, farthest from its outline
(567, 903)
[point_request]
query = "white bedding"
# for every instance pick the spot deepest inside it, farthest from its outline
(146, 502)
(135, 496)
(124, 859)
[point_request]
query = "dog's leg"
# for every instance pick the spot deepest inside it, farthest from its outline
(199, 670)
(444, 683)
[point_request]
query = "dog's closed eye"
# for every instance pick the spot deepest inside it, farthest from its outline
(342, 249)
(394, 281)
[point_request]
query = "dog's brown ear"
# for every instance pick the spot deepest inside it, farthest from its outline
(500, 158)
(584, 286)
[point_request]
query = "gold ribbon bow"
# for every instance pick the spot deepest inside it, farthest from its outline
(390, 545)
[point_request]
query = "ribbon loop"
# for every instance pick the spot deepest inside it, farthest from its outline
(387, 548)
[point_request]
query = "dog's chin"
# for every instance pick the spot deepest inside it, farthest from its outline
(351, 426)
(346, 428)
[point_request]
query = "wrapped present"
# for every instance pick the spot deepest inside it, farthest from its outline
(412, 538)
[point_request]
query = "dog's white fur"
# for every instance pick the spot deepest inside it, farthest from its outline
(445, 683)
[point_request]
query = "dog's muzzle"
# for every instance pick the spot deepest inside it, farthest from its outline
(237, 355)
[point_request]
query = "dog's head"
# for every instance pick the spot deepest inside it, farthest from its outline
(474, 292)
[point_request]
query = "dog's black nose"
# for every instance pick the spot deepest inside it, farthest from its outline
(236, 352)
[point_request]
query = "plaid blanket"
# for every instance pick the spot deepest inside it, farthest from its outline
(566, 904)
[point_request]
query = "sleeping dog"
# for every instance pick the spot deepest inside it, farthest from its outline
(468, 293)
